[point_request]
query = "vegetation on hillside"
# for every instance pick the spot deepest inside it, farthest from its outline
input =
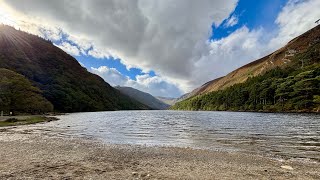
(62, 80)
(17, 95)
(278, 58)
(294, 87)
(26, 121)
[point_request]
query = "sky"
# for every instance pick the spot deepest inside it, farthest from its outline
(163, 47)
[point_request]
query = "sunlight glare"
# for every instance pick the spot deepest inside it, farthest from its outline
(5, 17)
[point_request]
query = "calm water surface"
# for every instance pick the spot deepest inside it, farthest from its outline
(279, 135)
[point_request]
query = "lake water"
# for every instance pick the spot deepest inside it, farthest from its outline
(278, 135)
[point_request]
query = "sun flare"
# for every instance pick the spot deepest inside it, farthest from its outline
(5, 17)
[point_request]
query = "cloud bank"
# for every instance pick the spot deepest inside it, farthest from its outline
(169, 37)
(166, 36)
(154, 85)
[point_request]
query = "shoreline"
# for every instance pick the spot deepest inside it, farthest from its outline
(26, 154)
(7, 121)
(260, 111)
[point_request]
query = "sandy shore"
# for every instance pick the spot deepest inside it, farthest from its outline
(26, 155)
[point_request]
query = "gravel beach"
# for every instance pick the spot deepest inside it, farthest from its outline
(29, 155)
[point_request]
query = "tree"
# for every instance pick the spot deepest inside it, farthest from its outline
(17, 95)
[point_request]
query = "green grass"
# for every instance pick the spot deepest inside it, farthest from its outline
(30, 120)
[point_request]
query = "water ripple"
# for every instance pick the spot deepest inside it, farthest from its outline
(285, 135)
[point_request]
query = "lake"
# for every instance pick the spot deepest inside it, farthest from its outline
(287, 136)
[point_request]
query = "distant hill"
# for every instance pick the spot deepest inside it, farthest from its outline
(62, 80)
(143, 97)
(286, 80)
(198, 90)
(167, 100)
(172, 101)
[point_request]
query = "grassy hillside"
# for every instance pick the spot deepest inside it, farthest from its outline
(293, 86)
(279, 58)
(62, 80)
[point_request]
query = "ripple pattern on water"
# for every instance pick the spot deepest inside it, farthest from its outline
(284, 135)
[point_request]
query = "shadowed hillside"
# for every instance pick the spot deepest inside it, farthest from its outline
(17, 95)
(167, 100)
(63, 81)
(143, 97)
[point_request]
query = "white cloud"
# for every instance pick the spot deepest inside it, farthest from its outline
(69, 48)
(82, 43)
(295, 18)
(53, 34)
(167, 36)
(232, 21)
(99, 54)
(244, 45)
(154, 85)
(110, 75)
(227, 54)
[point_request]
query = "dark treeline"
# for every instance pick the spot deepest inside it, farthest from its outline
(295, 88)
(18, 95)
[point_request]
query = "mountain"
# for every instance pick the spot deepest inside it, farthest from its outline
(167, 100)
(18, 95)
(279, 58)
(62, 80)
(198, 90)
(143, 97)
(286, 80)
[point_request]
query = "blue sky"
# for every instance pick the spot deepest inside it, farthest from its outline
(163, 47)
(253, 14)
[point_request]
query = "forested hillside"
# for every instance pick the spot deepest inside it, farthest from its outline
(279, 58)
(293, 87)
(17, 95)
(59, 76)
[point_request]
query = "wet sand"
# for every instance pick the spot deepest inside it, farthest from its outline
(28, 155)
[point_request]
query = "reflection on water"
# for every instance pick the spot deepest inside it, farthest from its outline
(284, 135)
